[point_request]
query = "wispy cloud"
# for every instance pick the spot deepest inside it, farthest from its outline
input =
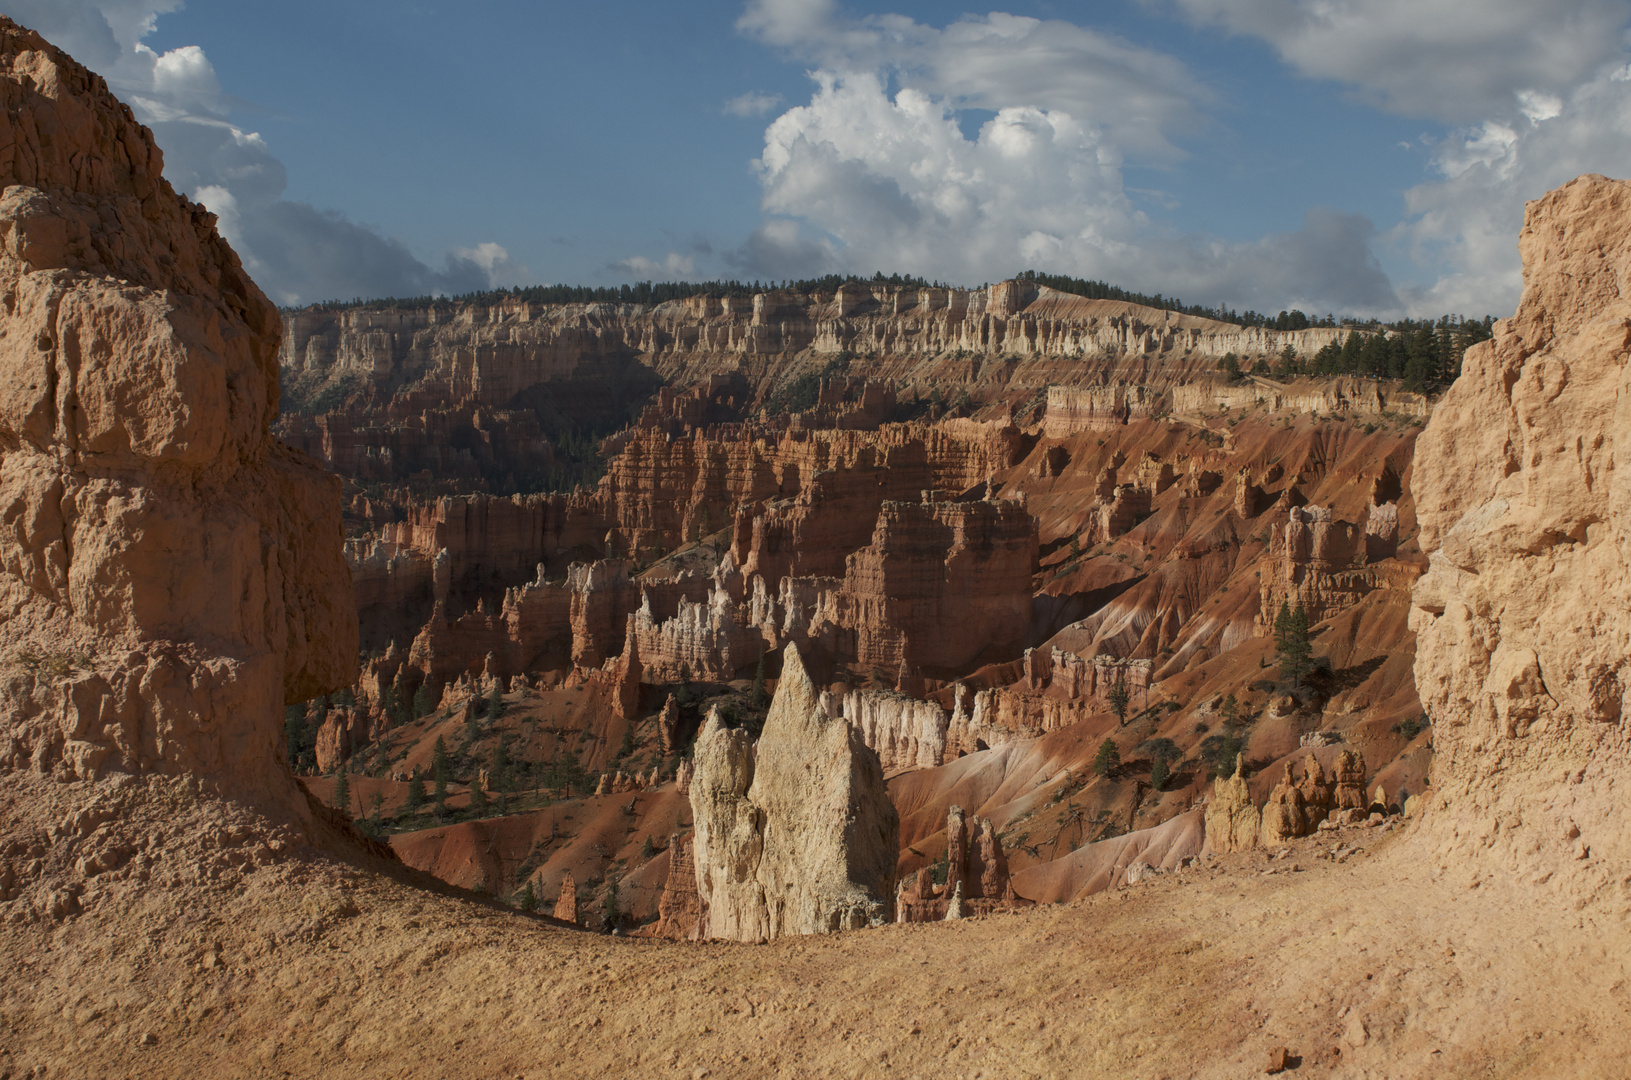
(296, 252)
(752, 103)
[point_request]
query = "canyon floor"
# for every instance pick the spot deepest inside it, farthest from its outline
(1348, 949)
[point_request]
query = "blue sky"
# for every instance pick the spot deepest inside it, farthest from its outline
(1339, 155)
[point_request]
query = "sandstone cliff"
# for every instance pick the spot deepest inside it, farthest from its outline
(794, 834)
(169, 574)
(1522, 618)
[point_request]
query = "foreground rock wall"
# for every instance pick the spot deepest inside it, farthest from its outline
(1523, 618)
(169, 575)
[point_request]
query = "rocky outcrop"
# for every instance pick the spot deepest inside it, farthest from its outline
(1056, 688)
(169, 574)
(679, 909)
(484, 354)
(1097, 408)
(1318, 792)
(1233, 822)
(940, 583)
(1349, 781)
(668, 727)
(1326, 566)
(566, 906)
(343, 730)
(977, 880)
(794, 834)
(1523, 616)
(904, 732)
(1284, 815)
(1318, 397)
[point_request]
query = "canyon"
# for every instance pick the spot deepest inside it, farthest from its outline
(1287, 711)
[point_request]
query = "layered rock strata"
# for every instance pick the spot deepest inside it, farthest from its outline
(795, 834)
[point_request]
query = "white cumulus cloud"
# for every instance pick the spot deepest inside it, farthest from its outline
(880, 170)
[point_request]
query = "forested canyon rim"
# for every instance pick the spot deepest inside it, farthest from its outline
(175, 901)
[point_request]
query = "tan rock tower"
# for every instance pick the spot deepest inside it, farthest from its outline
(795, 834)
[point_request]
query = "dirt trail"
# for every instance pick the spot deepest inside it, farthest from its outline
(310, 967)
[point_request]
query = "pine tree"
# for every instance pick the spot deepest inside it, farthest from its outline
(529, 898)
(478, 798)
(1230, 366)
(760, 698)
(1158, 773)
(1351, 350)
(1120, 697)
(495, 704)
(1296, 651)
(342, 792)
(501, 765)
(1108, 759)
(422, 704)
(440, 771)
(416, 792)
(1163, 752)
(1288, 366)
(1282, 620)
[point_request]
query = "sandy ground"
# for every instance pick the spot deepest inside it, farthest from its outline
(238, 960)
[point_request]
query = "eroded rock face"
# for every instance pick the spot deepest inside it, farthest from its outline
(566, 906)
(794, 834)
(1233, 822)
(169, 574)
(1284, 816)
(679, 909)
(1349, 786)
(1524, 615)
(977, 879)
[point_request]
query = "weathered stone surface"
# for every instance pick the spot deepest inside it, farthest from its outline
(1318, 791)
(172, 572)
(1523, 619)
(906, 733)
(794, 835)
(1349, 793)
(566, 907)
(679, 910)
(1284, 817)
(1233, 822)
(977, 880)
(668, 727)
